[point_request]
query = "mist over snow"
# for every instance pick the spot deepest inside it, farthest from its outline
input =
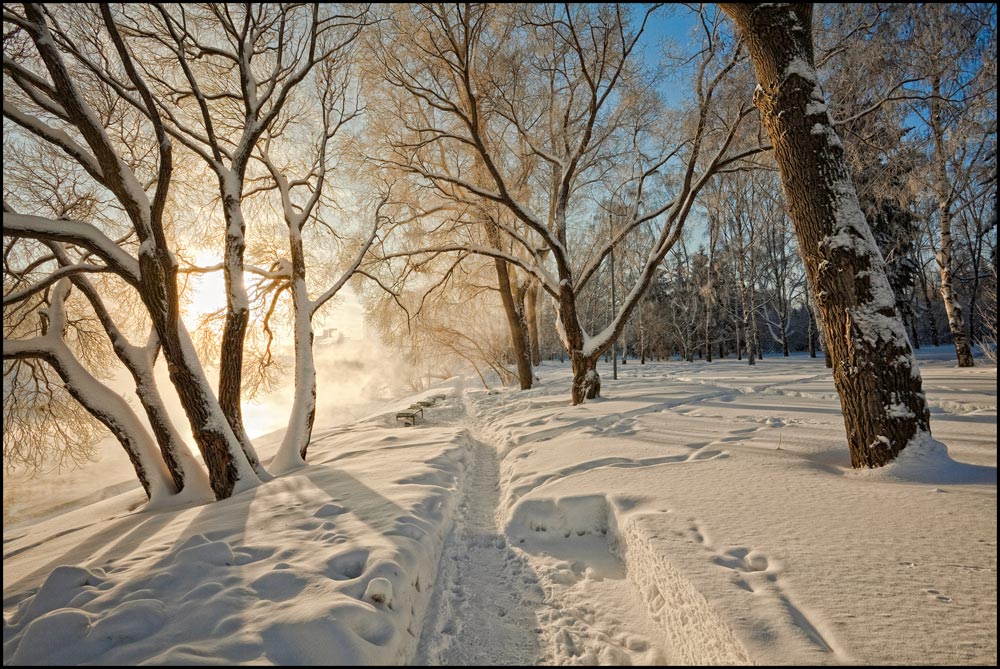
(356, 375)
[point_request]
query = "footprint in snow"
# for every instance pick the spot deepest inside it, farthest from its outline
(936, 594)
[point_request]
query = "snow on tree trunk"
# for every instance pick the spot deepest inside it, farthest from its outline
(188, 475)
(228, 468)
(531, 315)
(185, 471)
(237, 317)
(292, 453)
(115, 413)
(874, 371)
(100, 401)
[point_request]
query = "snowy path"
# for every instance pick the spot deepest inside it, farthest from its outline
(537, 600)
(483, 608)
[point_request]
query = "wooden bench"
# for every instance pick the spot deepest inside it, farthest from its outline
(409, 416)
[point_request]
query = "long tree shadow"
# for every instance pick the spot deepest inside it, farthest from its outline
(118, 539)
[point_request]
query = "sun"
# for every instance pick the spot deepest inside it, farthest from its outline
(206, 291)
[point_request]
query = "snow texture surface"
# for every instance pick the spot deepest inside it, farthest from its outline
(697, 513)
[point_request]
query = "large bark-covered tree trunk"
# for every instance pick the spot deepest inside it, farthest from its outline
(874, 371)
(513, 310)
(237, 318)
(810, 330)
(525, 375)
(586, 380)
(227, 465)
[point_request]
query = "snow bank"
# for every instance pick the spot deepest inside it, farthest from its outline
(333, 564)
(926, 460)
(724, 498)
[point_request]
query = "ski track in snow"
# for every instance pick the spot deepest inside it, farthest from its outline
(483, 607)
(548, 599)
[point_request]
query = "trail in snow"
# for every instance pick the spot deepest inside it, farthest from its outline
(540, 599)
(483, 610)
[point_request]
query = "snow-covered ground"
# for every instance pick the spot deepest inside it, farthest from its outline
(697, 513)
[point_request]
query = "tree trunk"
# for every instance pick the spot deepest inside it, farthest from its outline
(184, 470)
(515, 324)
(810, 330)
(910, 320)
(738, 330)
(748, 338)
(783, 325)
(642, 342)
(973, 312)
(524, 367)
(237, 318)
(754, 328)
(292, 452)
(101, 402)
(708, 332)
(821, 336)
(110, 409)
(228, 467)
(874, 371)
(586, 380)
(952, 305)
(929, 311)
(532, 316)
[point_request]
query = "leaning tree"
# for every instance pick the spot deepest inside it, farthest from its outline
(873, 366)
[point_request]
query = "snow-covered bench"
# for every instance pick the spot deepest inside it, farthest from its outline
(409, 416)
